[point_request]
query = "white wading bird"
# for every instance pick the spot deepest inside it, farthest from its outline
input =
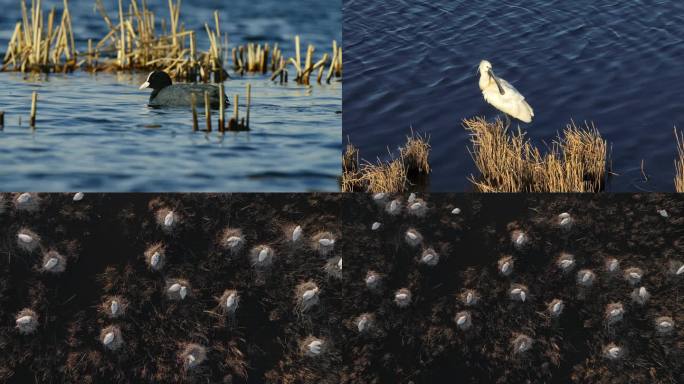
(502, 95)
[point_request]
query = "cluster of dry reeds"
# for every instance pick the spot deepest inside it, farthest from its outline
(40, 45)
(139, 45)
(392, 176)
(575, 162)
(140, 40)
(679, 163)
(279, 64)
(234, 124)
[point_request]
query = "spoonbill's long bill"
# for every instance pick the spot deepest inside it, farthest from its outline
(502, 95)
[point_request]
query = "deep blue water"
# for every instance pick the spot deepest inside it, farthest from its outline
(95, 132)
(616, 63)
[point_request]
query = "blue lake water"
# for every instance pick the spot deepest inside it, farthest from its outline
(96, 133)
(616, 63)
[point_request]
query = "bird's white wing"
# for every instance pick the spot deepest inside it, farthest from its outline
(511, 91)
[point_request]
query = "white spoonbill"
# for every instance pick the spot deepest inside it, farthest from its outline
(502, 95)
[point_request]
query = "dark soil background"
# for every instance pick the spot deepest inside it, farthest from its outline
(104, 237)
(421, 343)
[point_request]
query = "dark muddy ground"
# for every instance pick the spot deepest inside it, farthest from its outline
(422, 343)
(104, 238)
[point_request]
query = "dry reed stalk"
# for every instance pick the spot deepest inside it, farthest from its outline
(193, 103)
(679, 163)
(249, 103)
(298, 54)
(236, 111)
(221, 120)
(34, 106)
(207, 110)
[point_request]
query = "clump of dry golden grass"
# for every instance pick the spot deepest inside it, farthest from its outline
(391, 176)
(679, 163)
(575, 162)
(384, 176)
(415, 153)
(38, 45)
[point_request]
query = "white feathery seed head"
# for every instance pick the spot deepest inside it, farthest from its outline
(50, 263)
(24, 238)
(169, 219)
(24, 198)
(402, 297)
(664, 325)
(109, 337)
(556, 307)
(154, 260)
(296, 233)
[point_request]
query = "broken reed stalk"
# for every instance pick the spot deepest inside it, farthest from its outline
(298, 55)
(236, 110)
(222, 107)
(207, 110)
(193, 103)
(34, 102)
(679, 163)
(249, 102)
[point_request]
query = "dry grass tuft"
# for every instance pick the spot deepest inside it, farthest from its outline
(351, 177)
(392, 176)
(38, 45)
(679, 163)
(415, 153)
(388, 177)
(575, 162)
(350, 158)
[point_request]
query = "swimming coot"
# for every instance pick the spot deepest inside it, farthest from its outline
(166, 94)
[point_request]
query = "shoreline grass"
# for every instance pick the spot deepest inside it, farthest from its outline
(391, 176)
(575, 162)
